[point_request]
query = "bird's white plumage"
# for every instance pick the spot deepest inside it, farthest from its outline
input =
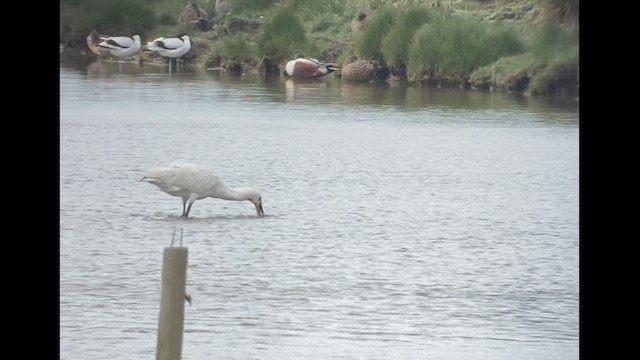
(121, 46)
(173, 47)
(291, 64)
(172, 43)
(184, 179)
(193, 182)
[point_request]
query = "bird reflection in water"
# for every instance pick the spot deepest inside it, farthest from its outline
(304, 90)
(96, 68)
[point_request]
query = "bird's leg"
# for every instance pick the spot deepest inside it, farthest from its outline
(184, 203)
(188, 209)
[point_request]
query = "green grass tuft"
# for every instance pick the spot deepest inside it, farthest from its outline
(454, 47)
(235, 48)
(306, 7)
(561, 10)
(368, 44)
(506, 71)
(551, 40)
(395, 44)
(551, 63)
(241, 6)
(560, 72)
(283, 36)
(115, 17)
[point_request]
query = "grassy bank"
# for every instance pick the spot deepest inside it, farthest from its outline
(517, 45)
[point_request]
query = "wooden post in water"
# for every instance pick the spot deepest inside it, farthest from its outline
(171, 323)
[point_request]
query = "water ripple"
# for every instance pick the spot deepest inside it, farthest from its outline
(393, 230)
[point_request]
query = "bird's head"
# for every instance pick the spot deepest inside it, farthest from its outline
(152, 45)
(258, 204)
(255, 197)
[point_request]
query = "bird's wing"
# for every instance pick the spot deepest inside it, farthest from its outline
(191, 178)
(187, 167)
(116, 42)
(169, 43)
(195, 179)
(315, 62)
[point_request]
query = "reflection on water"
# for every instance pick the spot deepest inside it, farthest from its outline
(331, 90)
(100, 67)
(371, 93)
(402, 222)
(304, 91)
(96, 68)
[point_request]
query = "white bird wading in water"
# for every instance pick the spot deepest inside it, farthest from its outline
(193, 182)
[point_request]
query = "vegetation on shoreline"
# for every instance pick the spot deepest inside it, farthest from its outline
(517, 45)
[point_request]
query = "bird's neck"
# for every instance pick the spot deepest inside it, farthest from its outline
(228, 193)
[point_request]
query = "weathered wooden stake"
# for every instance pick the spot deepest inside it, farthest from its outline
(171, 323)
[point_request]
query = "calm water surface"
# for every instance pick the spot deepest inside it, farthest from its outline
(402, 222)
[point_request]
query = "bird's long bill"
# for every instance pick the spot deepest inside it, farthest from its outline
(259, 209)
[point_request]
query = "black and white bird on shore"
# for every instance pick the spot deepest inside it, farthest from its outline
(173, 47)
(121, 46)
